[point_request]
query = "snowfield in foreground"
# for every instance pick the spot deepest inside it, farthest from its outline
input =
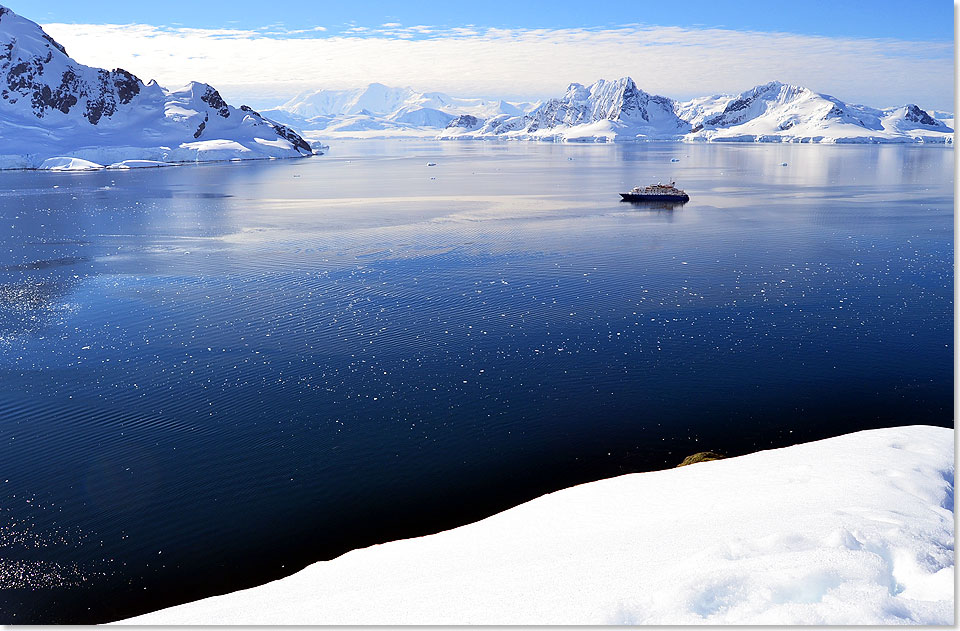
(856, 529)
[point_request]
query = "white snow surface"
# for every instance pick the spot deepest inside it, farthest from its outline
(380, 100)
(856, 529)
(52, 106)
(139, 164)
(610, 111)
(62, 163)
(379, 111)
(777, 112)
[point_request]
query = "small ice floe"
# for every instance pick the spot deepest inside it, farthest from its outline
(431, 164)
(139, 164)
(65, 163)
(674, 159)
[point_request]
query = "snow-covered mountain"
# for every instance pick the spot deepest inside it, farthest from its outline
(605, 110)
(774, 112)
(613, 111)
(619, 102)
(54, 107)
(378, 110)
(780, 112)
(58, 113)
(377, 99)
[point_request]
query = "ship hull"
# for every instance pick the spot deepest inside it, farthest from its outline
(640, 197)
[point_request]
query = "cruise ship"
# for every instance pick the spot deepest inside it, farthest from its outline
(656, 193)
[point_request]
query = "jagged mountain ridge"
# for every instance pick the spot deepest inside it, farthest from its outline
(621, 101)
(788, 111)
(51, 105)
(604, 108)
(773, 112)
(619, 110)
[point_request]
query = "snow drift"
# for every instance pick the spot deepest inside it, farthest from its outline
(53, 107)
(856, 529)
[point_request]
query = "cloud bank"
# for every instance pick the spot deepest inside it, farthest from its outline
(268, 66)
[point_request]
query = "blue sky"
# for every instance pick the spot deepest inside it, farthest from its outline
(931, 20)
(881, 53)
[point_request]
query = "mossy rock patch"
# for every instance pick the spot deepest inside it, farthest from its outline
(701, 456)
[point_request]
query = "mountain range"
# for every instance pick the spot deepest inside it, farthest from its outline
(379, 108)
(58, 113)
(612, 111)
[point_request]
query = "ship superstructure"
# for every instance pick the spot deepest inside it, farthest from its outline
(656, 192)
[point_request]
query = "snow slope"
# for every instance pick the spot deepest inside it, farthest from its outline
(380, 100)
(382, 111)
(774, 112)
(52, 106)
(856, 529)
(605, 110)
(777, 112)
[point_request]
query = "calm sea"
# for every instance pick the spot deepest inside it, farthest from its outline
(211, 376)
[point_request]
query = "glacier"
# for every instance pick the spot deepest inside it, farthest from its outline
(56, 113)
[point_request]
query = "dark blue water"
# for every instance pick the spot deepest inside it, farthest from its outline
(213, 375)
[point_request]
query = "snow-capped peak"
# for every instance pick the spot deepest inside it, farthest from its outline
(619, 101)
(914, 114)
(51, 105)
(29, 38)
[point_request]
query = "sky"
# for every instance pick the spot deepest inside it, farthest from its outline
(880, 53)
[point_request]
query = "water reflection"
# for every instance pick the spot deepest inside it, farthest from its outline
(653, 205)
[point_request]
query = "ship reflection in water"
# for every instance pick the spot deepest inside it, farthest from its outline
(654, 205)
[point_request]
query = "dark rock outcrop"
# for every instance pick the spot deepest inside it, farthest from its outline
(212, 98)
(916, 115)
(465, 121)
(702, 456)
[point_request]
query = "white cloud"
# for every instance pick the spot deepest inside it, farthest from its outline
(286, 31)
(674, 61)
